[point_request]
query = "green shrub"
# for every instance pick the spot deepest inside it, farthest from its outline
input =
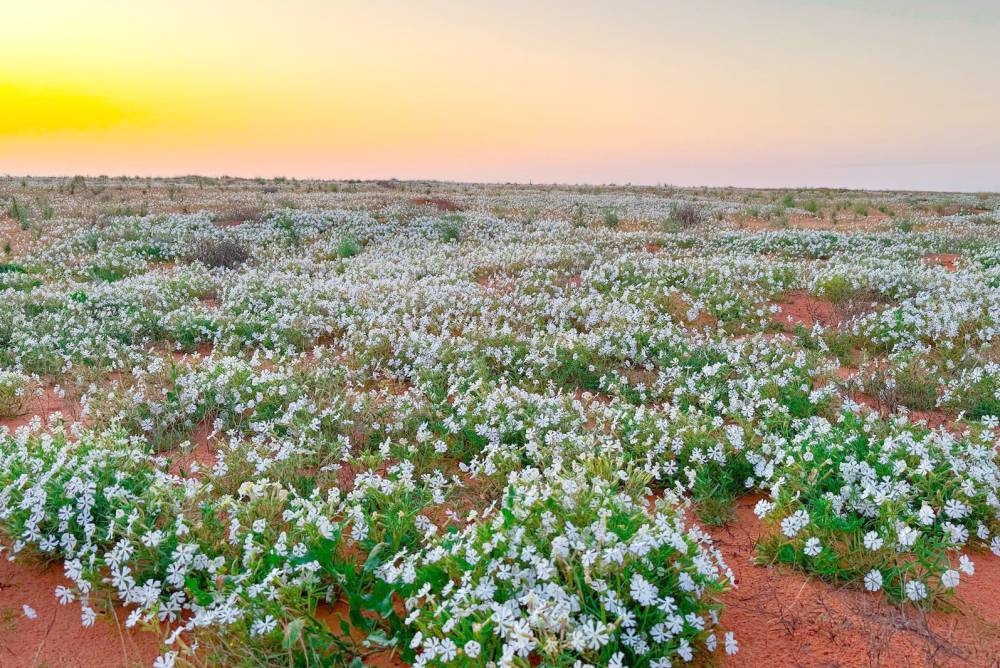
(903, 224)
(450, 228)
(837, 288)
(348, 246)
(611, 219)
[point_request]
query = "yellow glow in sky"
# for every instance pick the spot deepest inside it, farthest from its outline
(896, 93)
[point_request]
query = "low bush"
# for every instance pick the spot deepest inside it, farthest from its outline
(219, 253)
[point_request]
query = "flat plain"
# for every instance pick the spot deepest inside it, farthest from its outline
(304, 423)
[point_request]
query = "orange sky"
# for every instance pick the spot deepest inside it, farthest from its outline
(773, 92)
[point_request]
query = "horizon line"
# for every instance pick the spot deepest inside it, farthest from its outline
(533, 184)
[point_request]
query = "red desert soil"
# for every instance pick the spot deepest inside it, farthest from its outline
(798, 307)
(55, 638)
(334, 615)
(946, 260)
(43, 406)
(11, 233)
(439, 203)
(202, 452)
(784, 618)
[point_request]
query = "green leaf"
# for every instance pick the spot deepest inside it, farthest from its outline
(293, 632)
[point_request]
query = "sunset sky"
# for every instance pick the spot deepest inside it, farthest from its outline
(898, 93)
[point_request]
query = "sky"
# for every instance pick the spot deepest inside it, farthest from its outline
(900, 94)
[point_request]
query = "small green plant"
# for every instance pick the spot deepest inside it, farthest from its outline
(20, 213)
(861, 210)
(812, 206)
(578, 218)
(611, 219)
(788, 201)
(905, 225)
(450, 228)
(348, 246)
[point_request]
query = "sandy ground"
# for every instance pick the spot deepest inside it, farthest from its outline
(55, 638)
(783, 618)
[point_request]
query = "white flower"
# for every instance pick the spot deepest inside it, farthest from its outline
(472, 649)
(165, 660)
(872, 541)
(791, 525)
(813, 547)
(732, 647)
(873, 580)
(950, 578)
(762, 508)
(965, 565)
(643, 591)
(263, 626)
(955, 509)
(926, 515)
(28, 611)
(915, 590)
(907, 536)
(64, 595)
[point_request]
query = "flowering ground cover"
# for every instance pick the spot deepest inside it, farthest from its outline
(303, 423)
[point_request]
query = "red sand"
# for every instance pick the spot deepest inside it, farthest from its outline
(948, 261)
(203, 452)
(55, 637)
(439, 203)
(44, 405)
(781, 617)
(798, 307)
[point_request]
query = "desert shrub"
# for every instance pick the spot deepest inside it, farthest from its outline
(19, 212)
(77, 184)
(837, 288)
(686, 215)
(975, 391)
(219, 252)
(13, 393)
(908, 382)
(812, 206)
(238, 214)
(611, 219)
